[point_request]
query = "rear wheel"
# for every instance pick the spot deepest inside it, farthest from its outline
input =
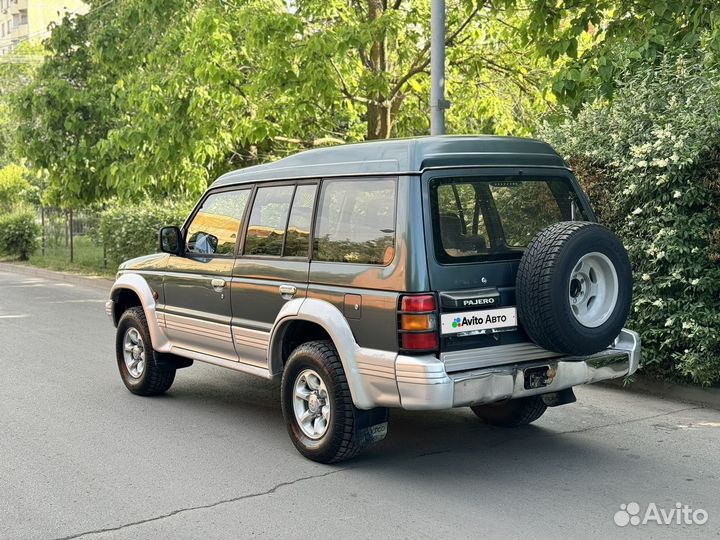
(512, 413)
(318, 409)
(140, 368)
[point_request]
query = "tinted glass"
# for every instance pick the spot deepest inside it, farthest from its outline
(356, 223)
(266, 229)
(481, 218)
(214, 229)
(297, 242)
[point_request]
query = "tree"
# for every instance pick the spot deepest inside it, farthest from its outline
(371, 58)
(69, 107)
(16, 72)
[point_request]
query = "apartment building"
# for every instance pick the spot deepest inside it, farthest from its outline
(21, 20)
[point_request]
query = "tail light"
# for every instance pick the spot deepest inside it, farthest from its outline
(417, 323)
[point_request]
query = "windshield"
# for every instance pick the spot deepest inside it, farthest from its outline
(482, 218)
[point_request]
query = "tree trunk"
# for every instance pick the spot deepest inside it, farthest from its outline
(380, 120)
(379, 112)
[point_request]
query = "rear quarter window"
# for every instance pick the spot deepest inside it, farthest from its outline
(356, 222)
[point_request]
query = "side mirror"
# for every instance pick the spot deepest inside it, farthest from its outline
(171, 240)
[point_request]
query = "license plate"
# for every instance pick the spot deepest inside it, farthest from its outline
(475, 321)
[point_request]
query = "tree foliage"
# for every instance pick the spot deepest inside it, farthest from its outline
(16, 71)
(152, 97)
(603, 39)
(15, 189)
(157, 97)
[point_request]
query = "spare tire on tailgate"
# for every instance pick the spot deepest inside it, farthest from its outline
(574, 287)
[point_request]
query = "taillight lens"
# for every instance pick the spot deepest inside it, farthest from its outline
(420, 342)
(417, 323)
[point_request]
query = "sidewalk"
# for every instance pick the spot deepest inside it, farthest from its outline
(68, 277)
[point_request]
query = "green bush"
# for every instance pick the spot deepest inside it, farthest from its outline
(129, 231)
(650, 161)
(19, 234)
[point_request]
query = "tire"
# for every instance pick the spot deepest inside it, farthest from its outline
(339, 441)
(512, 413)
(574, 288)
(153, 377)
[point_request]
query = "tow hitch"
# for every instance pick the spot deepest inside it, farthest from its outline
(539, 377)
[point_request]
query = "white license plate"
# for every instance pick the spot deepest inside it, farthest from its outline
(473, 321)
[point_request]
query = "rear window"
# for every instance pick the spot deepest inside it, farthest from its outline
(481, 218)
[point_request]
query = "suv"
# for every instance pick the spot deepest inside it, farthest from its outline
(424, 273)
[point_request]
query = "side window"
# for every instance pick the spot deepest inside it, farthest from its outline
(214, 229)
(298, 231)
(266, 229)
(356, 223)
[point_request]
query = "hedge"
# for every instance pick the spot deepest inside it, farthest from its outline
(650, 160)
(129, 231)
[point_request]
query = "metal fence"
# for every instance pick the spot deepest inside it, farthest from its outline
(72, 235)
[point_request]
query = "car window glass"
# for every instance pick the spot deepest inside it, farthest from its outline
(214, 229)
(298, 231)
(496, 217)
(266, 228)
(356, 223)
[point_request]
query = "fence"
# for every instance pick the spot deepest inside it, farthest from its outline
(72, 236)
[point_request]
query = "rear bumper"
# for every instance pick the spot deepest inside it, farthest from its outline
(424, 384)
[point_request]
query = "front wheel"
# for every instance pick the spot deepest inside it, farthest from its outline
(137, 361)
(319, 413)
(512, 413)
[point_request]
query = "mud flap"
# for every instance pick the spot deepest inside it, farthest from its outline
(172, 360)
(371, 426)
(562, 397)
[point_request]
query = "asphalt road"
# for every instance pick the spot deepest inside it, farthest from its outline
(80, 457)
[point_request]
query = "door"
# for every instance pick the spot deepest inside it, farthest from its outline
(274, 265)
(197, 289)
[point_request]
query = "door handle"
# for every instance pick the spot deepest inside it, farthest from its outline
(218, 284)
(287, 291)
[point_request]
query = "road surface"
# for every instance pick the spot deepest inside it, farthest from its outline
(80, 457)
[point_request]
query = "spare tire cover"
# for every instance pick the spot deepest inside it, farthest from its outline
(574, 288)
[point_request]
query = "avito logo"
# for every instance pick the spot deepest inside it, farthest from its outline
(459, 322)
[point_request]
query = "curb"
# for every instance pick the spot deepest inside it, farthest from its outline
(707, 397)
(75, 279)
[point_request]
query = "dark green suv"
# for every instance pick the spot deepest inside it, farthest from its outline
(424, 273)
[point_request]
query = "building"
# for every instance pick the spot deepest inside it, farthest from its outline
(21, 20)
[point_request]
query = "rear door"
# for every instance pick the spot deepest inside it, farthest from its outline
(274, 264)
(197, 309)
(479, 226)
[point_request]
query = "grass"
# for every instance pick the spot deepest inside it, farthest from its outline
(87, 258)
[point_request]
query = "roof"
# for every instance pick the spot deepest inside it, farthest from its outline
(402, 156)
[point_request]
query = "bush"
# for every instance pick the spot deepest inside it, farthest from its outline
(129, 231)
(650, 161)
(19, 234)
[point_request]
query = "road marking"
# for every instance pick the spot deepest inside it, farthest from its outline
(19, 316)
(101, 301)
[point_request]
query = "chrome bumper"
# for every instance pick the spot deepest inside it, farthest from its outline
(423, 382)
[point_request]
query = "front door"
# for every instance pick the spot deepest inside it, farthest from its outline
(197, 289)
(274, 265)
